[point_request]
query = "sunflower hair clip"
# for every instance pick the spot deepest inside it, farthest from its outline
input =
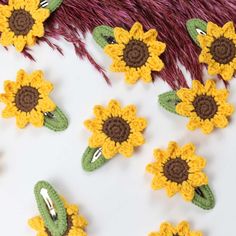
(179, 169)
(57, 217)
(205, 105)
(135, 52)
(115, 130)
(22, 21)
(218, 46)
(182, 229)
(28, 100)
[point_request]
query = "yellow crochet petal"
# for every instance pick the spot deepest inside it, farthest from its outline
(100, 112)
(114, 50)
(136, 139)
(79, 221)
(158, 182)
(220, 121)
(16, 4)
(36, 78)
(41, 14)
(225, 109)
(136, 31)
(31, 40)
(172, 188)
(132, 76)
(186, 95)
(7, 98)
(205, 40)
(43, 233)
(3, 23)
(156, 48)
(126, 149)
(187, 191)
(210, 86)
(160, 155)
(109, 149)
(118, 66)
(194, 123)
(198, 179)
(97, 140)
(196, 164)
(36, 223)
(150, 36)
(207, 127)
(220, 94)
(214, 30)
(38, 29)
(155, 63)
(7, 38)
(205, 57)
(172, 149)
(198, 87)
(72, 209)
(154, 234)
(196, 234)
(9, 111)
(114, 108)
(227, 72)
(167, 229)
(5, 11)
(36, 118)
(214, 68)
(183, 228)
(184, 108)
(10, 86)
(19, 43)
(187, 151)
(229, 29)
(145, 73)
(22, 120)
(154, 168)
(129, 113)
(77, 232)
(93, 125)
(122, 36)
(32, 5)
(46, 105)
(138, 124)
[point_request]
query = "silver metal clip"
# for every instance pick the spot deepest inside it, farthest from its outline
(44, 3)
(199, 31)
(49, 115)
(96, 155)
(49, 203)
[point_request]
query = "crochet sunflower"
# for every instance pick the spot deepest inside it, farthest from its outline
(219, 49)
(116, 130)
(206, 106)
(136, 53)
(76, 223)
(21, 21)
(182, 229)
(27, 98)
(178, 169)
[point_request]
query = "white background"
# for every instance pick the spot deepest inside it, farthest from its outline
(116, 199)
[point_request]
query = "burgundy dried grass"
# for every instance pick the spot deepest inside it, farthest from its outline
(75, 18)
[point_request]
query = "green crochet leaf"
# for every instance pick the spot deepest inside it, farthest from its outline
(104, 35)
(196, 27)
(93, 159)
(53, 4)
(169, 101)
(204, 197)
(55, 120)
(58, 225)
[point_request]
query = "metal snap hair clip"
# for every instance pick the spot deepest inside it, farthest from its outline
(28, 100)
(57, 217)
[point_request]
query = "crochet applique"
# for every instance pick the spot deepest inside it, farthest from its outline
(182, 229)
(21, 21)
(218, 46)
(206, 106)
(28, 100)
(57, 217)
(134, 52)
(115, 130)
(179, 169)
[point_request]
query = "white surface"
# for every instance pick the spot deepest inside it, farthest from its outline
(116, 199)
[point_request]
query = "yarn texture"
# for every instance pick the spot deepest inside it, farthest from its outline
(206, 106)
(21, 21)
(116, 129)
(27, 99)
(182, 229)
(219, 49)
(136, 53)
(178, 169)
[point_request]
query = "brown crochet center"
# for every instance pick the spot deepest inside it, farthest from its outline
(176, 170)
(21, 22)
(117, 129)
(223, 50)
(135, 53)
(205, 106)
(69, 226)
(27, 98)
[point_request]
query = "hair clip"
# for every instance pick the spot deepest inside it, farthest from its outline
(134, 52)
(205, 105)
(182, 229)
(218, 46)
(57, 217)
(179, 169)
(28, 100)
(115, 130)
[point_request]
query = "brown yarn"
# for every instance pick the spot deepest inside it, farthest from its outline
(176, 170)
(21, 22)
(27, 98)
(117, 129)
(205, 106)
(223, 50)
(136, 53)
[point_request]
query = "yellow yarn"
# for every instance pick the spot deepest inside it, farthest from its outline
(39, 15)
(214, 33)
(182, 229)
(130, 126)
(186, 107)
(192, 169)
(152, 63)
(41, 104)
(79, 223)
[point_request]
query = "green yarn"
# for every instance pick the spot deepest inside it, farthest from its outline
(204, 198)
(103, 35)
(169, 100)
(58, 226)
(54, 4)
(196, 27)
(56, 120)
(87, 160)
